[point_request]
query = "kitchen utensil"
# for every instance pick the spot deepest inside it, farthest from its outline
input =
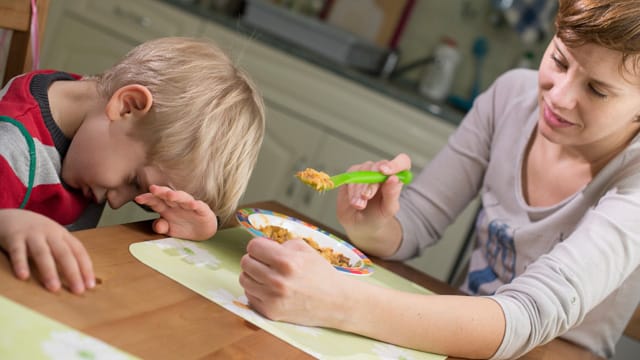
(321, 181)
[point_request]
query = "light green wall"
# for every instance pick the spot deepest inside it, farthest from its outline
(463, 20)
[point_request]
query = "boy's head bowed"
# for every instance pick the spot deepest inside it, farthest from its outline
(206, 122)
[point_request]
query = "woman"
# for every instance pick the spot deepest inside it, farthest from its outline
(555, 158)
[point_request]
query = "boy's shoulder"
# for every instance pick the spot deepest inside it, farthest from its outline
(23, 86)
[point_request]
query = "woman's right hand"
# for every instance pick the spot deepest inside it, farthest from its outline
(367, 211)
(58, 256)
(292, 282)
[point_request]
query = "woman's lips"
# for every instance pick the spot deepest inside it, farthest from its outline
(553, 120)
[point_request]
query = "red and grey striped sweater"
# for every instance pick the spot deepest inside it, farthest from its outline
(32, 148)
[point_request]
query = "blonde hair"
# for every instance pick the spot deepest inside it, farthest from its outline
(207, 121)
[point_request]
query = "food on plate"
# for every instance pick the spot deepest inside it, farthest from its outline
(276, 233)
(318, 180)
(280, 234)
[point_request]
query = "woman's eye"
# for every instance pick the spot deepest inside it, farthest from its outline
(596, 92)
(558, 63)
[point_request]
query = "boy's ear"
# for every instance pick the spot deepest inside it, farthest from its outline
(130, 101)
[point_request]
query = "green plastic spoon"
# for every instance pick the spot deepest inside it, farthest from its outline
(320, 181)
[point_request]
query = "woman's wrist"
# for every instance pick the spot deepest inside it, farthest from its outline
(382, 241)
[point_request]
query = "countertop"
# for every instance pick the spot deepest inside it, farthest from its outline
(403, 92)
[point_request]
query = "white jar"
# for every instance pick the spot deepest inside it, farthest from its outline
(438, 76)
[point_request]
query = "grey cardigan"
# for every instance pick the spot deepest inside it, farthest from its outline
(569, 270)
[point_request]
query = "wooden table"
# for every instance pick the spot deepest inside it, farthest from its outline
(151, 316)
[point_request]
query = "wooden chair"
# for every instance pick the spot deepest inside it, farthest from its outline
(16, 15)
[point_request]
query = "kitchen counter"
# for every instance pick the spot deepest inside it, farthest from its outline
(393, 89)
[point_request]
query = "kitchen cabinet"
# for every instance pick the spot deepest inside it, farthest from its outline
(89, 36)
(86, 37)
(318, 119)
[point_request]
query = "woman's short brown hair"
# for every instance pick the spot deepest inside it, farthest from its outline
(613, 24)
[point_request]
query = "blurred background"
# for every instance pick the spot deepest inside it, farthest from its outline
(488, 36)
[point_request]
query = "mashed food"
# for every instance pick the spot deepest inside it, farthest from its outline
(318, 180)
(280, 234)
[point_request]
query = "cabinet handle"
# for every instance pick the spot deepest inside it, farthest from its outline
(138, 19)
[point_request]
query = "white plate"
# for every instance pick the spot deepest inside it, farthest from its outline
(253, 220)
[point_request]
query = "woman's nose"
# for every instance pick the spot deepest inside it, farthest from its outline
(564, 94)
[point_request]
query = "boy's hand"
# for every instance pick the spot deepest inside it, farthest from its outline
(25, 234)
(181, 215)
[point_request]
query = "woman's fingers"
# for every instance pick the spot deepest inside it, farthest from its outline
(267, 259)
(267, 252)
(258, 277)
(390, 199)
(360, 194)
(399, 163)
(254, 278)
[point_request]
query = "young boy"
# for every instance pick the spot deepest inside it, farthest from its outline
(174, 126)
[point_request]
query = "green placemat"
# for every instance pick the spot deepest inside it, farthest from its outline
(211, 269)
(26, 334)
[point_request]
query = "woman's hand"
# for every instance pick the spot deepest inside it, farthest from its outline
(292, 282)
(181, 215)
(27, 235)
(367, 211)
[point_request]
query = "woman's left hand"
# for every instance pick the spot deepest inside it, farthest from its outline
(181, 215)
(292, 282)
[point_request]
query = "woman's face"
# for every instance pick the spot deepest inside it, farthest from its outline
(586, 102)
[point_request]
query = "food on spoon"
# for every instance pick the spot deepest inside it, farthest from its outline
(280, 235)
(318, 180)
